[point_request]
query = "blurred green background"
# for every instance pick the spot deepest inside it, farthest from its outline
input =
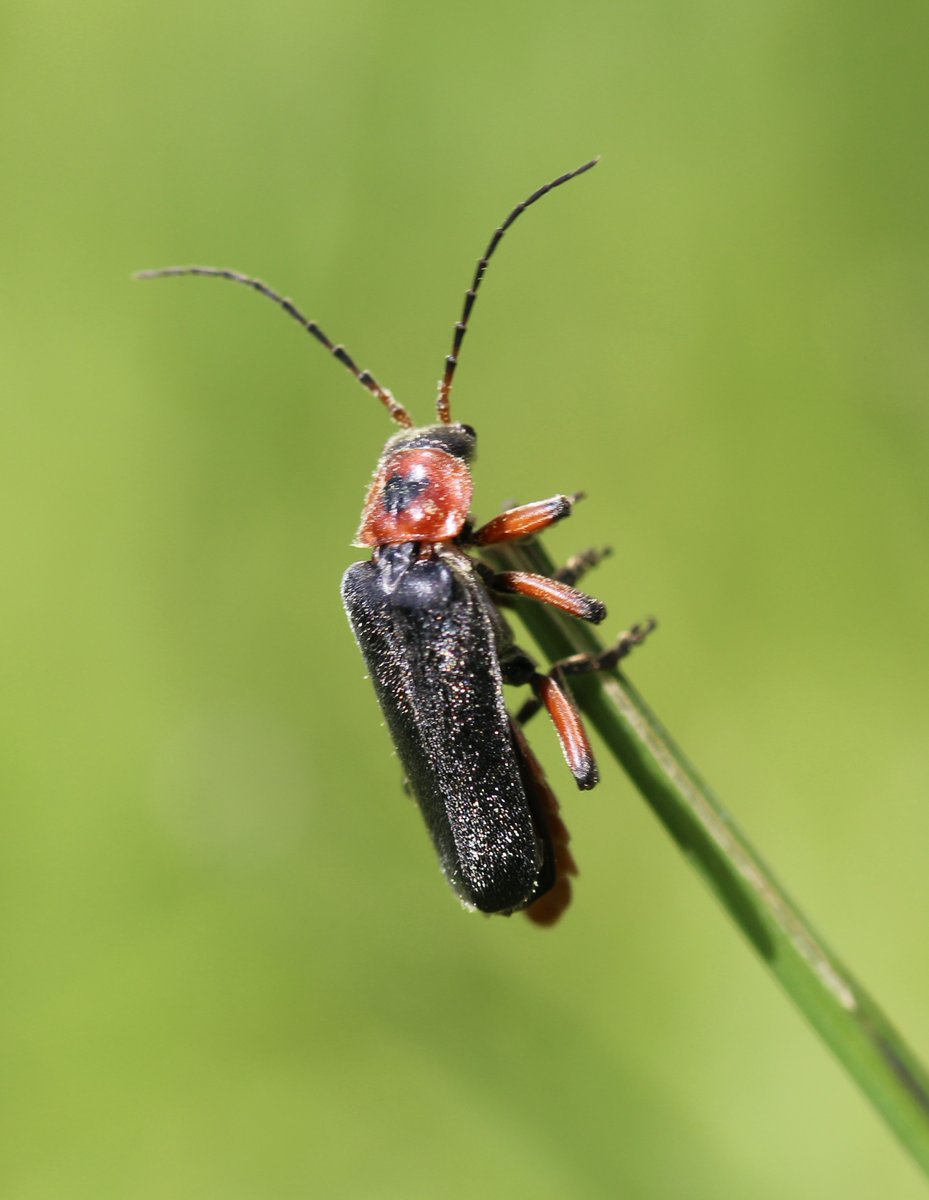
(231, 965)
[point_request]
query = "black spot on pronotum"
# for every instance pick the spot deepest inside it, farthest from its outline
(400, 491)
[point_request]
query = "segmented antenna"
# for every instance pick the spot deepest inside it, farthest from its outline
(451, 362)
(397, 411)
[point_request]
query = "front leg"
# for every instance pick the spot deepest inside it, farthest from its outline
(525, 520)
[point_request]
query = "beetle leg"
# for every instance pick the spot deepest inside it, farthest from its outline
(549, 591)
(516, 666)
(579, 564)
(525, 520)
(527, 710)
(582, 664)
(569, 727)
(550, 693)
(550, 906)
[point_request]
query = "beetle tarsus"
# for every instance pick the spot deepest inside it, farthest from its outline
(579, 564)
(583, 664)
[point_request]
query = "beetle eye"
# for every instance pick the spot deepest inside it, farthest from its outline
(470, 430)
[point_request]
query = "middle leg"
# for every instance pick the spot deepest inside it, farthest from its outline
(547, 590)
(583, 664)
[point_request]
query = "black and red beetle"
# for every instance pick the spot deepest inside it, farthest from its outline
(439, 650)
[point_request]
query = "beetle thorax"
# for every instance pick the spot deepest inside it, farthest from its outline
(422, 488)
(420, 495)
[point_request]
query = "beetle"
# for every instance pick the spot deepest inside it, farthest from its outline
(427, 617)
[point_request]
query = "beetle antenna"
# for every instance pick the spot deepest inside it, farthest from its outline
(394, 407)
(442, 403)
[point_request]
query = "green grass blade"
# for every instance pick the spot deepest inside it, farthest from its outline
(836, 1005)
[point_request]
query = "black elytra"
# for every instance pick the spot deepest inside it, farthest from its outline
(430, 637)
